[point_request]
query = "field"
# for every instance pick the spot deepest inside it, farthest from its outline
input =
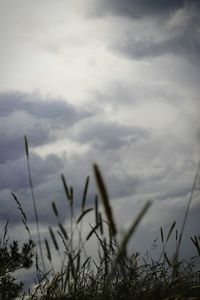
(116, 273)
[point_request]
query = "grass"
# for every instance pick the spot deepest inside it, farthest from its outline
(116, 273)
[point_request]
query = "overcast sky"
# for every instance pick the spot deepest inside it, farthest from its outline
(109, 81)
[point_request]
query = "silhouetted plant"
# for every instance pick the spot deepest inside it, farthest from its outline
(12, 259)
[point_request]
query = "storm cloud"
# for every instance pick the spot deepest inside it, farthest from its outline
(137, 8)
(178, 35)
(107, 135)
(111, 82)
(32, 115)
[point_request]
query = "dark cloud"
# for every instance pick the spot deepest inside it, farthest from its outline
(43, 120)
(13, 174)
(150, 230)
(136, 8)
(36, 105)
(47, 186)
(14, 178)
(181, 192)
(12, 130)
(122, 186)
(108, 135)
(186, 44)
(181, 39)
(116, 93)
(127, 155)
(35, 116)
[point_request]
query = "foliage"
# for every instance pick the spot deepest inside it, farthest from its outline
(12, 259)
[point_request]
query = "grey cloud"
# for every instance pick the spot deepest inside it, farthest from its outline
(117, 94)
(185, 44)
(181, 192)
(12, 130)
(139, 50)
(41, 120)
(175, 213)
(134, 9)
(181, 39)
(108, 135)
(121, 184)
(32, 115)
(13, 174)
(14, 178)
(47, 186)
(36, 105)
(126, 163)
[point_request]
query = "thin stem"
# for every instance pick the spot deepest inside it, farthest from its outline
(187, 209)
(35, 207)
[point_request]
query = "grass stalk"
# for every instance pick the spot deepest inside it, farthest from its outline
(34, 204)
(105, 198)
(194, 186)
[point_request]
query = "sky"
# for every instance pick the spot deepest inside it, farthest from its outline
(113, 82)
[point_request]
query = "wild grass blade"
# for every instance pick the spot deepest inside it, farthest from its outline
(19, 207)
(48, 250)
(85, 262)
(78, 263)
(170, 231)
(133, 227)
(196, 243)
(162, 235)
(96, 205)
(100, 223)
(63, 230)
(67, 191)
(71, 195)
(5, 231)
(105, 199)
(24, 218)
(34, 204)
(85, 193)
(83, 214)
(55, 210)
(53, 238)
(26, 147)
(92, 231)
(196, 178)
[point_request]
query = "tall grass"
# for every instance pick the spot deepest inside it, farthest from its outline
(116, 273)
(34, 203)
